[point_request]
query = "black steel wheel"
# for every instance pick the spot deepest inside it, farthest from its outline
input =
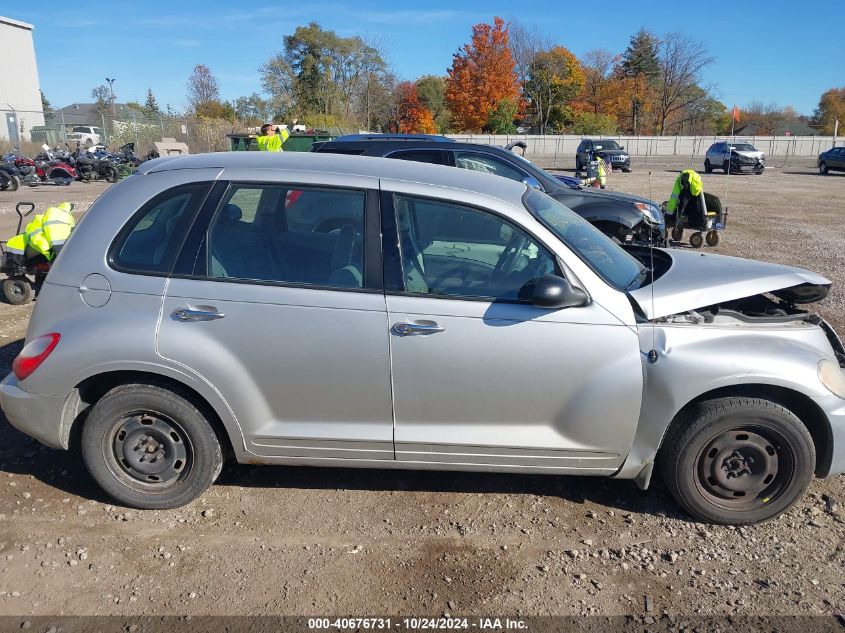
(150, 447)
(677, 233)
(18, 290)
(737, 460)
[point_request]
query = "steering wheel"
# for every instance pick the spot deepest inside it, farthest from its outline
(508, 258)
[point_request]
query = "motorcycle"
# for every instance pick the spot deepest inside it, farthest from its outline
(45, 168)
(95, 165)
(10, 176)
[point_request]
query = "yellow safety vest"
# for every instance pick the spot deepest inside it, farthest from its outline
(15, 249)
(272, 142)
(35, 237)
(57, 224)
(695, 189)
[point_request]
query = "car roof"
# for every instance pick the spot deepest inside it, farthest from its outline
(384, 144)
(490, 185)
(393, 137)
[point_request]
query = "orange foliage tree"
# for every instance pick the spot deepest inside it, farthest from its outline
(412, 117)
(483, 73)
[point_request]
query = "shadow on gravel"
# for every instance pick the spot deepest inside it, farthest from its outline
(64, 471)
(816, 173)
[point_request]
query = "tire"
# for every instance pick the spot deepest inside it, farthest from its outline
(578, 165)
(823, 168)
(627, 170)
(708, 168)
(18, 290)
(12, 185)
(696, 240)
(677, 233)
(711, 238)
(737, 460)
(132, 421)
(758, 171)
(110, 173)
(726, 167)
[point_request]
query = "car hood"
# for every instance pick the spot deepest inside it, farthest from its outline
(611, 152)
(591, 194)
(696, 280)
(748, 154)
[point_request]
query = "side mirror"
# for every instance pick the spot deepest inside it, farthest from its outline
(532, 182)
(622, 147)
(551, 291)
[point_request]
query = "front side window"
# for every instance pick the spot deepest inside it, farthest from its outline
(487, 164)
(151, 239)
(457, 251)
(296, 235)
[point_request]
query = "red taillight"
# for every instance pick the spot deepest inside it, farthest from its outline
(34, 353)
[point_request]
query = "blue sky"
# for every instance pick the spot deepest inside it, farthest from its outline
(771, 51)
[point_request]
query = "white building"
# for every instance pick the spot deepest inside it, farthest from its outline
(20, 96)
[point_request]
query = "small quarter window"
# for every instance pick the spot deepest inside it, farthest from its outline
(150, 241)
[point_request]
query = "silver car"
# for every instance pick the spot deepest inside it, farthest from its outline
(458, 321)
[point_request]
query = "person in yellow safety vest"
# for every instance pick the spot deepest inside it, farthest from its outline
(687, 187)
(57, 224)
(602, 173)
(270, 140)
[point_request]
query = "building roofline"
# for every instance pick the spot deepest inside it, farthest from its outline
(17, 23)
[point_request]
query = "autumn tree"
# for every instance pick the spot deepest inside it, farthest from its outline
(102, 98)
(482, 74)
(555, 79)
(639, 67)
(831, 108)
(203, 92)
(432, 92)
(412, 117)
(681, 62)
(604, 91)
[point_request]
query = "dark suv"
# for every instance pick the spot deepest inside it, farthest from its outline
(605, 149)
(628, 218)
(832, 160)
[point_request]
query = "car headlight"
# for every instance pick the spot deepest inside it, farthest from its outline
(832, 377)
(651, 212)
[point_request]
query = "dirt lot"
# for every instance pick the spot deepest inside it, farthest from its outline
(311, 541)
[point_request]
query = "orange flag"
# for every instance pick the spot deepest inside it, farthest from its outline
(735, 114)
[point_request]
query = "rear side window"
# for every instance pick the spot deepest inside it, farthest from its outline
(151, 239)
(435, 157)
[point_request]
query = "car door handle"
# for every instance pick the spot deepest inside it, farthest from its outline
(189, 314)
(407, 329)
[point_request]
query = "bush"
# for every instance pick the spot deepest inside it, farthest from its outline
(592, 123)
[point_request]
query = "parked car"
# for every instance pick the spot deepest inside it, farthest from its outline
(85, 135)
(470, 323)
(734, 158)
(832, 160)
(628, 218)
(607, 150)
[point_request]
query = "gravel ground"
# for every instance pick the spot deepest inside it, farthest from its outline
(271, 540)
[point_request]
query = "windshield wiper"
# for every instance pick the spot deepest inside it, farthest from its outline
(639, 278)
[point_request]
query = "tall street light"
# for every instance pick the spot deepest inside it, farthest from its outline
(111, 90)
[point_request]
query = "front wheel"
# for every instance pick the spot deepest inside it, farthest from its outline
(677, 233)
(726, 166)
(18, 290)
(12, 184)
(737, 460)
(150, 448)
(110, 174)
(823, 168)
(577, 165)
(708, 168)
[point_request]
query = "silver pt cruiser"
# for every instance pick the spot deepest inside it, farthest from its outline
(329, 310)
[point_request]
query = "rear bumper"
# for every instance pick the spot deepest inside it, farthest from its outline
(36, 415)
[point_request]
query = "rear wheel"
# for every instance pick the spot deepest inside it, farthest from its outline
(823, 168)
(12, 184)
(708, 168)
(578, 164)
(696, 240)
(150, 448)
(18, 290)
(737, 460)
(110, 173)
(677, 233)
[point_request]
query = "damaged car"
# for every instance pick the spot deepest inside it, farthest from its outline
(462, 322)
(734, 158)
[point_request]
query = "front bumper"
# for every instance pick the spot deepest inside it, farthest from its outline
(36, 415)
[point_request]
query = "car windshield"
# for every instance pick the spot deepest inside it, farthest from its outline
(599, 252)
(79, 129)
(606, 145)
(743, 147)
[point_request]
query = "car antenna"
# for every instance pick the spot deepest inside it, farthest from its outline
(652, 354)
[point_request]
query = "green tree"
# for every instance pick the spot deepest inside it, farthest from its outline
(555, 79)
(102, 98)
(46, 107)
(432, 93)
(831, 108)
(500, 119)
(150, 104)
(641, 56)
(592, 123)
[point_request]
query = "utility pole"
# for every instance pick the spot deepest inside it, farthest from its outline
(111, 90)
(835, 131)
